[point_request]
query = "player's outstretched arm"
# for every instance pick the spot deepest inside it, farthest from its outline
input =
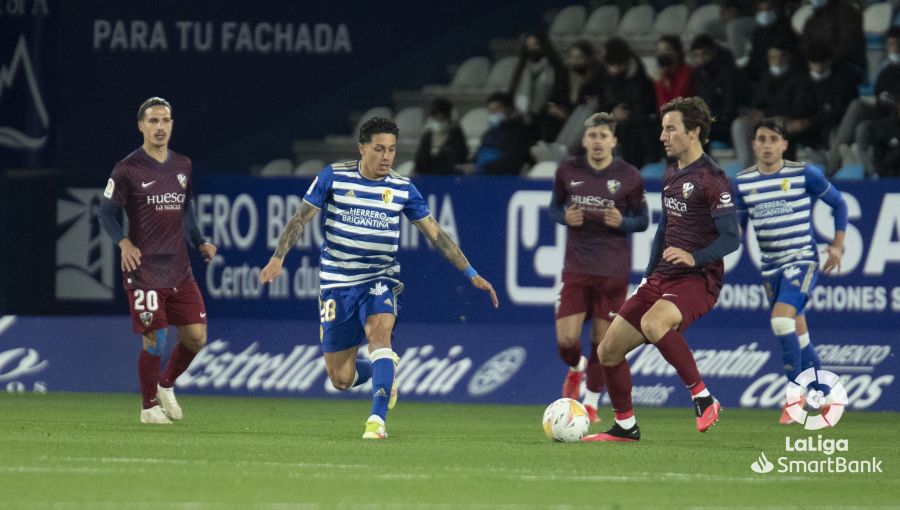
(288, 239)
(440, 240)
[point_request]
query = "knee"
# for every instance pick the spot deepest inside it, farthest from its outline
(653, 328)
(567, 339)
(783, 325)
(339, 381)
(609, 354)
(195, 340)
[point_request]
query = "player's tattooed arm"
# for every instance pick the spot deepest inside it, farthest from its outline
(289, 237)
(294, 228)
(440, 240)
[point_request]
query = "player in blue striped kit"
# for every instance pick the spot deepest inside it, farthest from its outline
(777, 197)
(359, 275)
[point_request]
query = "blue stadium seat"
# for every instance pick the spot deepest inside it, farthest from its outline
(852, 172)
(653, 170)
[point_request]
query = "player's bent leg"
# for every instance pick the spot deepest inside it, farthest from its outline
(568, 343)
(191, 338)
(341, 367)
(379, 328)
(594, 374)
(154, 344)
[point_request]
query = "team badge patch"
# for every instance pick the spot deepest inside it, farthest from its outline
(785, 185)
(613, 185)
(110, 187)
(182, 179)
(386, 196)
(146, 319)
(687, 188)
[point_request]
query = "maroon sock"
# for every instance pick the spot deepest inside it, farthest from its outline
(595, 377)
(618, 385)
(675, 350)
(571, 354)
(178, 362)
(148, 374)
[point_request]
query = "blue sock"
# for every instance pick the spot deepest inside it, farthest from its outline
(790, 351)
(810, 358)
(382, 380)
(363, 371)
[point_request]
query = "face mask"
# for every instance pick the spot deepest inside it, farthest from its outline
(535, 55)
(496, 118)
(436, 126)
(664, 60)
(894, 58)
(778, 70)
(819, 76)
(765, 18)
(817, 4)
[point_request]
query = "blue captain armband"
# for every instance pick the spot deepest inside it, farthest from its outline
(470, 272)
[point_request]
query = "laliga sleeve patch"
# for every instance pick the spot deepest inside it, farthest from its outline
(110, 187)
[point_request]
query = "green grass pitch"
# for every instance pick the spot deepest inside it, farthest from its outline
(67, 451)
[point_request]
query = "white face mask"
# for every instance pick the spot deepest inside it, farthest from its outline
(496, 118)
(436, 126)
(816, 76)
(894, 58)
(778, 70)
(765, 18)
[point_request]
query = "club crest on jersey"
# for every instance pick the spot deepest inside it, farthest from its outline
(146, 319)
(378, 289)
(785, 185)
(182, 179)
(613, 185)
(687, 188)
(386, 196)
(791, 271)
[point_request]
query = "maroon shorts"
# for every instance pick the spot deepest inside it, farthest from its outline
(693, 294)
(153, 309)
(599, 297)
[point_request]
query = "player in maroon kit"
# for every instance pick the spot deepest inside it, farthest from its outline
(682, 281)
(153, 186)
(601, 200)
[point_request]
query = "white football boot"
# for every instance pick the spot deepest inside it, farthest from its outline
(155, 416)
(166, 398)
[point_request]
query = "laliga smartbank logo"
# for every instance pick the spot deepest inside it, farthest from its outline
(824, 392)
(830, 407)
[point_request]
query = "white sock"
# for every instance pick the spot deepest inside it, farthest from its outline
(627, 423)
(804, 339)
(591, 398)
(703, 393)
(377, 418)
(582, 364)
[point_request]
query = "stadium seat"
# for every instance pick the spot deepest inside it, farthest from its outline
(701, 21)
(602, 23)
(854, 172)
(543, 170)
(406, 168)
(277, 168)
(471, 74)
(309, 168)
(651, 66)
(474, 123)
(500, 75)
(568, 22)
(378, 111)
(671, 20)
(410, 121)
(798, 20)
(653, 170)
(637, 21)
(876, 21)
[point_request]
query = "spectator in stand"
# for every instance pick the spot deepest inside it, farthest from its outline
(504, 146)
(540, 78)
(882, 156)
(861, 112)
(717, 81)
(628, 94)
(443, 144)
(772, 24)
(832, 87)
(676, 76)
(783, 91)
(737, 18)
(838, 24)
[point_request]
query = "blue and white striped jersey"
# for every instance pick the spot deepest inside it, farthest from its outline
(779, 205)
(361, 223)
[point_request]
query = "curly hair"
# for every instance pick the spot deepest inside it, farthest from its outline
(694, 113)
(376, 126)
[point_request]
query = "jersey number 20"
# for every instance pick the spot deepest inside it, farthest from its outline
(152, 300)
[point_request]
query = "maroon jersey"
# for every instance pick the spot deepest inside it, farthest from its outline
(693, 198)
(594, 248)
(154, 196)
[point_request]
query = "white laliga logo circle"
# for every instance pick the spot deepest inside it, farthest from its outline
(831, 406)
(496, 371)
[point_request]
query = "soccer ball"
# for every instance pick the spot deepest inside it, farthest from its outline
(566, 420)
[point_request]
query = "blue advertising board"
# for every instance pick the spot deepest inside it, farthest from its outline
(491, 363)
